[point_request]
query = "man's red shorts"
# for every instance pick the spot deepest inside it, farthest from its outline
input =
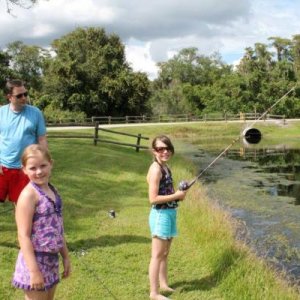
(12, 182)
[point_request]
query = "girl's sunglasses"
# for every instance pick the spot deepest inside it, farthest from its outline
(162, 149)
(19, 96)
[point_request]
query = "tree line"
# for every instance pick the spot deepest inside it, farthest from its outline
(190, 82)
(85, 73)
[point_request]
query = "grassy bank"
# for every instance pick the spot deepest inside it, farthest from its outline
(110, 256)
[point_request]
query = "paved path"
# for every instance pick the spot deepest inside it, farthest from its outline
(169, 123)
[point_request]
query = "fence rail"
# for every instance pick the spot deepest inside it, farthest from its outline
(102, 120)
(137, 146)
(97, 139)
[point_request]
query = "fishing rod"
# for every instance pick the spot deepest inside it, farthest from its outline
(185, 185)
(270, 108)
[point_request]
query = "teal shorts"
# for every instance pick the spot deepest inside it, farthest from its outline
(162, 223)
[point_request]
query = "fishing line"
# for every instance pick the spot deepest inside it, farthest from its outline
(185, 185)
(270, 108)
(94, 274)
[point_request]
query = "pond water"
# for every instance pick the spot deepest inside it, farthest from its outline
(260, 186)
(283, 162)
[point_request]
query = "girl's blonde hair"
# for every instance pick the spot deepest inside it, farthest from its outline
(34, 150)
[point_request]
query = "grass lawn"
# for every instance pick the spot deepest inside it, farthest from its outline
(110, 256)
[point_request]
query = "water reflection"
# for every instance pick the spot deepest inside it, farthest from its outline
(260, 186)
(292, 190)
(281, 161)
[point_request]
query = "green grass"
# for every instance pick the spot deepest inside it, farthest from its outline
(110, 256)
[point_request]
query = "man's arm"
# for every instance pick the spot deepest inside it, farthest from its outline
(42, 140)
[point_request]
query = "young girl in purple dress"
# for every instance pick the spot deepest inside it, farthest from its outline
(162, 219)
(40, 229)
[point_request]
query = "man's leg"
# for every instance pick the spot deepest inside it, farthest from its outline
(3, 185)
(17, 181)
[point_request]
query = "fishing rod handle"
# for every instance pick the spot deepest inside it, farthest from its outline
(183, 185)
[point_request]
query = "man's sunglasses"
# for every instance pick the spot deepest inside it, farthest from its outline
(162, 149)
(19, 96)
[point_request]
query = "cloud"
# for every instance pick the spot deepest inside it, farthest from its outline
(129, 19)
(139, 58)
(174, 18)
(151, 30)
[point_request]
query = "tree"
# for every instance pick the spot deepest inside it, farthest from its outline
(296, 54)
(282, 46)
(89, 73)
(228, 94)
(26, 4)
(171, 100)
(5, 72)
(182, 78)
(28, 62)
(189, 66)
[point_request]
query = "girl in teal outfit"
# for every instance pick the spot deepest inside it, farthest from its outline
(163, 214)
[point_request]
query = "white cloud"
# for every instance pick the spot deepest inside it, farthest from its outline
(42, 30)
(75, 11)
(140, 59)
(154, 30)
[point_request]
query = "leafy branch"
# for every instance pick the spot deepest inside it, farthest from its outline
(26, 4)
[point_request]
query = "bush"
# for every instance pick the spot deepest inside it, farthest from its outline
(54, 115)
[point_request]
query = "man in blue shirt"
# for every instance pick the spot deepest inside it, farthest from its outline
(20, 126)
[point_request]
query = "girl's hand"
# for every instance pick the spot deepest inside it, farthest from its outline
(36, 280)
(180, 195)
(67, 268)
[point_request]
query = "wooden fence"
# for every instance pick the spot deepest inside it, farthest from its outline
(137, 146)
(97, 139)
(102, 120)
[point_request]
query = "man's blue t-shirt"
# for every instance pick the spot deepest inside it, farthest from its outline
(17, 131)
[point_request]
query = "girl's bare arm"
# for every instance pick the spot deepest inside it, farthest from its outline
(24, 214)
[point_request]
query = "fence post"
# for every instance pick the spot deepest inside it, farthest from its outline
(242, 116)
(109, 119)
(284, 123)
(138, 142)
(96, 133)
(126, 119)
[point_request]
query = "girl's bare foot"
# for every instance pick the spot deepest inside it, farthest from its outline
(167, 289)
(158, 297)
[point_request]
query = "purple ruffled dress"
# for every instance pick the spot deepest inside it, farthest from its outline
(47, 240)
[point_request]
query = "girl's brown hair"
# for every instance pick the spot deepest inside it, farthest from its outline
(165, 140)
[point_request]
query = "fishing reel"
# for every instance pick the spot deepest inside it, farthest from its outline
(183, 185)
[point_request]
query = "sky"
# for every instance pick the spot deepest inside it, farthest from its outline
(154, 31)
